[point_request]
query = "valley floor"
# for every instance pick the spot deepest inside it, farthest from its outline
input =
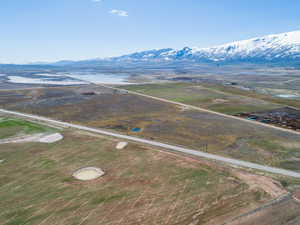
(161, 121)
(141, 185)
(150, 185)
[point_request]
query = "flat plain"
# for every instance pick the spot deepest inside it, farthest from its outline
(122, 112)
(141, 185)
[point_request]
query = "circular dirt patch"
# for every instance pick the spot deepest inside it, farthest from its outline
(88, 173)
(51, 138)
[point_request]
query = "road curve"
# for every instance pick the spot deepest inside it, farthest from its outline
(231, 161)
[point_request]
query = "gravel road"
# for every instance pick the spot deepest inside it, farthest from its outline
(231, 161)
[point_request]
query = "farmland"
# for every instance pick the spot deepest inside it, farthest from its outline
(10, 127)
(122, 112)
(215, 97)
(151, 186)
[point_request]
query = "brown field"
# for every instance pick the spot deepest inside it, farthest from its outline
(285, 212)
(141, 185)
(160, 121)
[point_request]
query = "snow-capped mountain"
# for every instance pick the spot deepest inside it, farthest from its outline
(279, 47)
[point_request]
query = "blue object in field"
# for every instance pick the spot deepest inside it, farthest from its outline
(136, 129)
(252, 118)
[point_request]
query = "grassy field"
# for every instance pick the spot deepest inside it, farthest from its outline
(214, 97)
(10, 127)
(141, 185)
(161, 121)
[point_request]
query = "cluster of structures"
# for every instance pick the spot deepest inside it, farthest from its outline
(286, 117)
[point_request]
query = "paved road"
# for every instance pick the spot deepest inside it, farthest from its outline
(161, 145)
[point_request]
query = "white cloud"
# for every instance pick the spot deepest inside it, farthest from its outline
(97, 0)
(119, 12)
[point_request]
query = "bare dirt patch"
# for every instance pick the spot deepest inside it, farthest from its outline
(51, 138)
(270, 186)
(121, 145)
(88, 173)
(42, 138)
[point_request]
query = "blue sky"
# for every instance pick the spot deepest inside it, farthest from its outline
(50, 30)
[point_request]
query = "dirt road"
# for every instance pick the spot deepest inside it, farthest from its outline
(206, 110)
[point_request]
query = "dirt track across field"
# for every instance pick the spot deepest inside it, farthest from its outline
(186, 106)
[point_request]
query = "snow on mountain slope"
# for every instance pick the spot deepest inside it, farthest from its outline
(282, 48)
(271, 47)
(285, 46)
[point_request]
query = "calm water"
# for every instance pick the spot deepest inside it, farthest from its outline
(70, 78)
(136, 129)
(100, 78)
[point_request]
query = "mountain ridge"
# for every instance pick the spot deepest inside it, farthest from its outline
(275, 47)
(283, 48)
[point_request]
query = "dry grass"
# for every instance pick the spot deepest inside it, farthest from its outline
(213, 97)
(164, 122)
(141, 185)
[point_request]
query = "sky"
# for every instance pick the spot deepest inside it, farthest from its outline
(52, 30)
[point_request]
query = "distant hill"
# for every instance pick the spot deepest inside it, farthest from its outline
(281, 49)
(284, 47)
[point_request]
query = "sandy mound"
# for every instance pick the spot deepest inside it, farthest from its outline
(121, 145)
(51, 138)
(43, 138)
(88, 173)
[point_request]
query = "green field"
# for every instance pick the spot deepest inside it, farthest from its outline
(10, 127)
(214, 97)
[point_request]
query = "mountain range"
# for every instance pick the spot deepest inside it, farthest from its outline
(281, 48)
(271, 48)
